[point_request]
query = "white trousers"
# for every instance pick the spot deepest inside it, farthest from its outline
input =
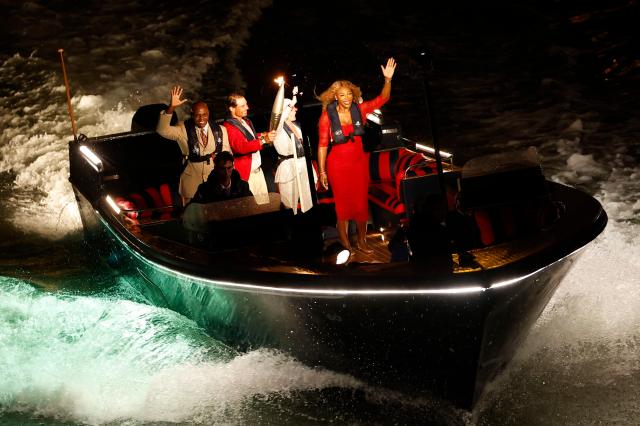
(258, 186)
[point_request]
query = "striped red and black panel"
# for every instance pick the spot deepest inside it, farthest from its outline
(385, 196)
(382, 165)
(140, 205)
(164, 197)
(497, 224)
(128, 207)
(409, 159)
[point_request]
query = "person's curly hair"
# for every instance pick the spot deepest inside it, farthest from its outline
(329, 95)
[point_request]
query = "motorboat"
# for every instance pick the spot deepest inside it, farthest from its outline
(464, 260)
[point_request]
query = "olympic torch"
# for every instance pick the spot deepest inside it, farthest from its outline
(278, 104)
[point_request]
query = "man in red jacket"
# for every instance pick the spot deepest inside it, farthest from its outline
(246, 144)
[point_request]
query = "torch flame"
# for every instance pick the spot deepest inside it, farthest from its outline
(278, 104)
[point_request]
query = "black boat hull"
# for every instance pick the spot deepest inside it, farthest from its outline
(449, 345)
(420, 324)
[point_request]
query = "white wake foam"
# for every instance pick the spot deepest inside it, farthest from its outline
(99, 360)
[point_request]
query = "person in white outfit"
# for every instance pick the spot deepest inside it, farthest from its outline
(292, 177)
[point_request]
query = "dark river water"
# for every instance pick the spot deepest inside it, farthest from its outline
(79, 346)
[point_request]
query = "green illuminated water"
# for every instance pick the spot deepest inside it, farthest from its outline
(106, 357)
(91, 358)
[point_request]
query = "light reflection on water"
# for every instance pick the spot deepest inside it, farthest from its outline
(103, 359)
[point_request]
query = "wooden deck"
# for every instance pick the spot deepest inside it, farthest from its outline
(377, 240)
(485, 258)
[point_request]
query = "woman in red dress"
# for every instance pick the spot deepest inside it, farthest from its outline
(346, 167)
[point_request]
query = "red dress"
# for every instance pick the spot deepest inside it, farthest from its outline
(348, 167)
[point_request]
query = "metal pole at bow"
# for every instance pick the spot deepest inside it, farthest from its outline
(74, 127)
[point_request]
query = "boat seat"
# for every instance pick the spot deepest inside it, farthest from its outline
(151, 203)
(146, 117)
(507, 196)
(397, 164)
(500, 223)
(387, 171)
(385, 196)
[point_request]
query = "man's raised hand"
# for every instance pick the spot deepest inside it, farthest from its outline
(176, 94)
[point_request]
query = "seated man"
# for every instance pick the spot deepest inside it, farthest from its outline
(223, 182)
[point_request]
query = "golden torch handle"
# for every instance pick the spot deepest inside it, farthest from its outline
(278, 104)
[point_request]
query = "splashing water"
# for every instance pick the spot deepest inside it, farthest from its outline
(103, 359)
(111, 75)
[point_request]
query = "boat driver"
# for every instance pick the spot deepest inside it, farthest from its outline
(224, 182)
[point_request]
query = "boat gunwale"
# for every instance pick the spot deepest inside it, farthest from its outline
(341, 281)
(352, 276)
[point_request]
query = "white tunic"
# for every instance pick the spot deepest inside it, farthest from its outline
(291, 176)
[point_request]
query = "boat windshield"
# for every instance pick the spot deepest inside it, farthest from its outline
(200, 217)
(501, 162)
(238, 222)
